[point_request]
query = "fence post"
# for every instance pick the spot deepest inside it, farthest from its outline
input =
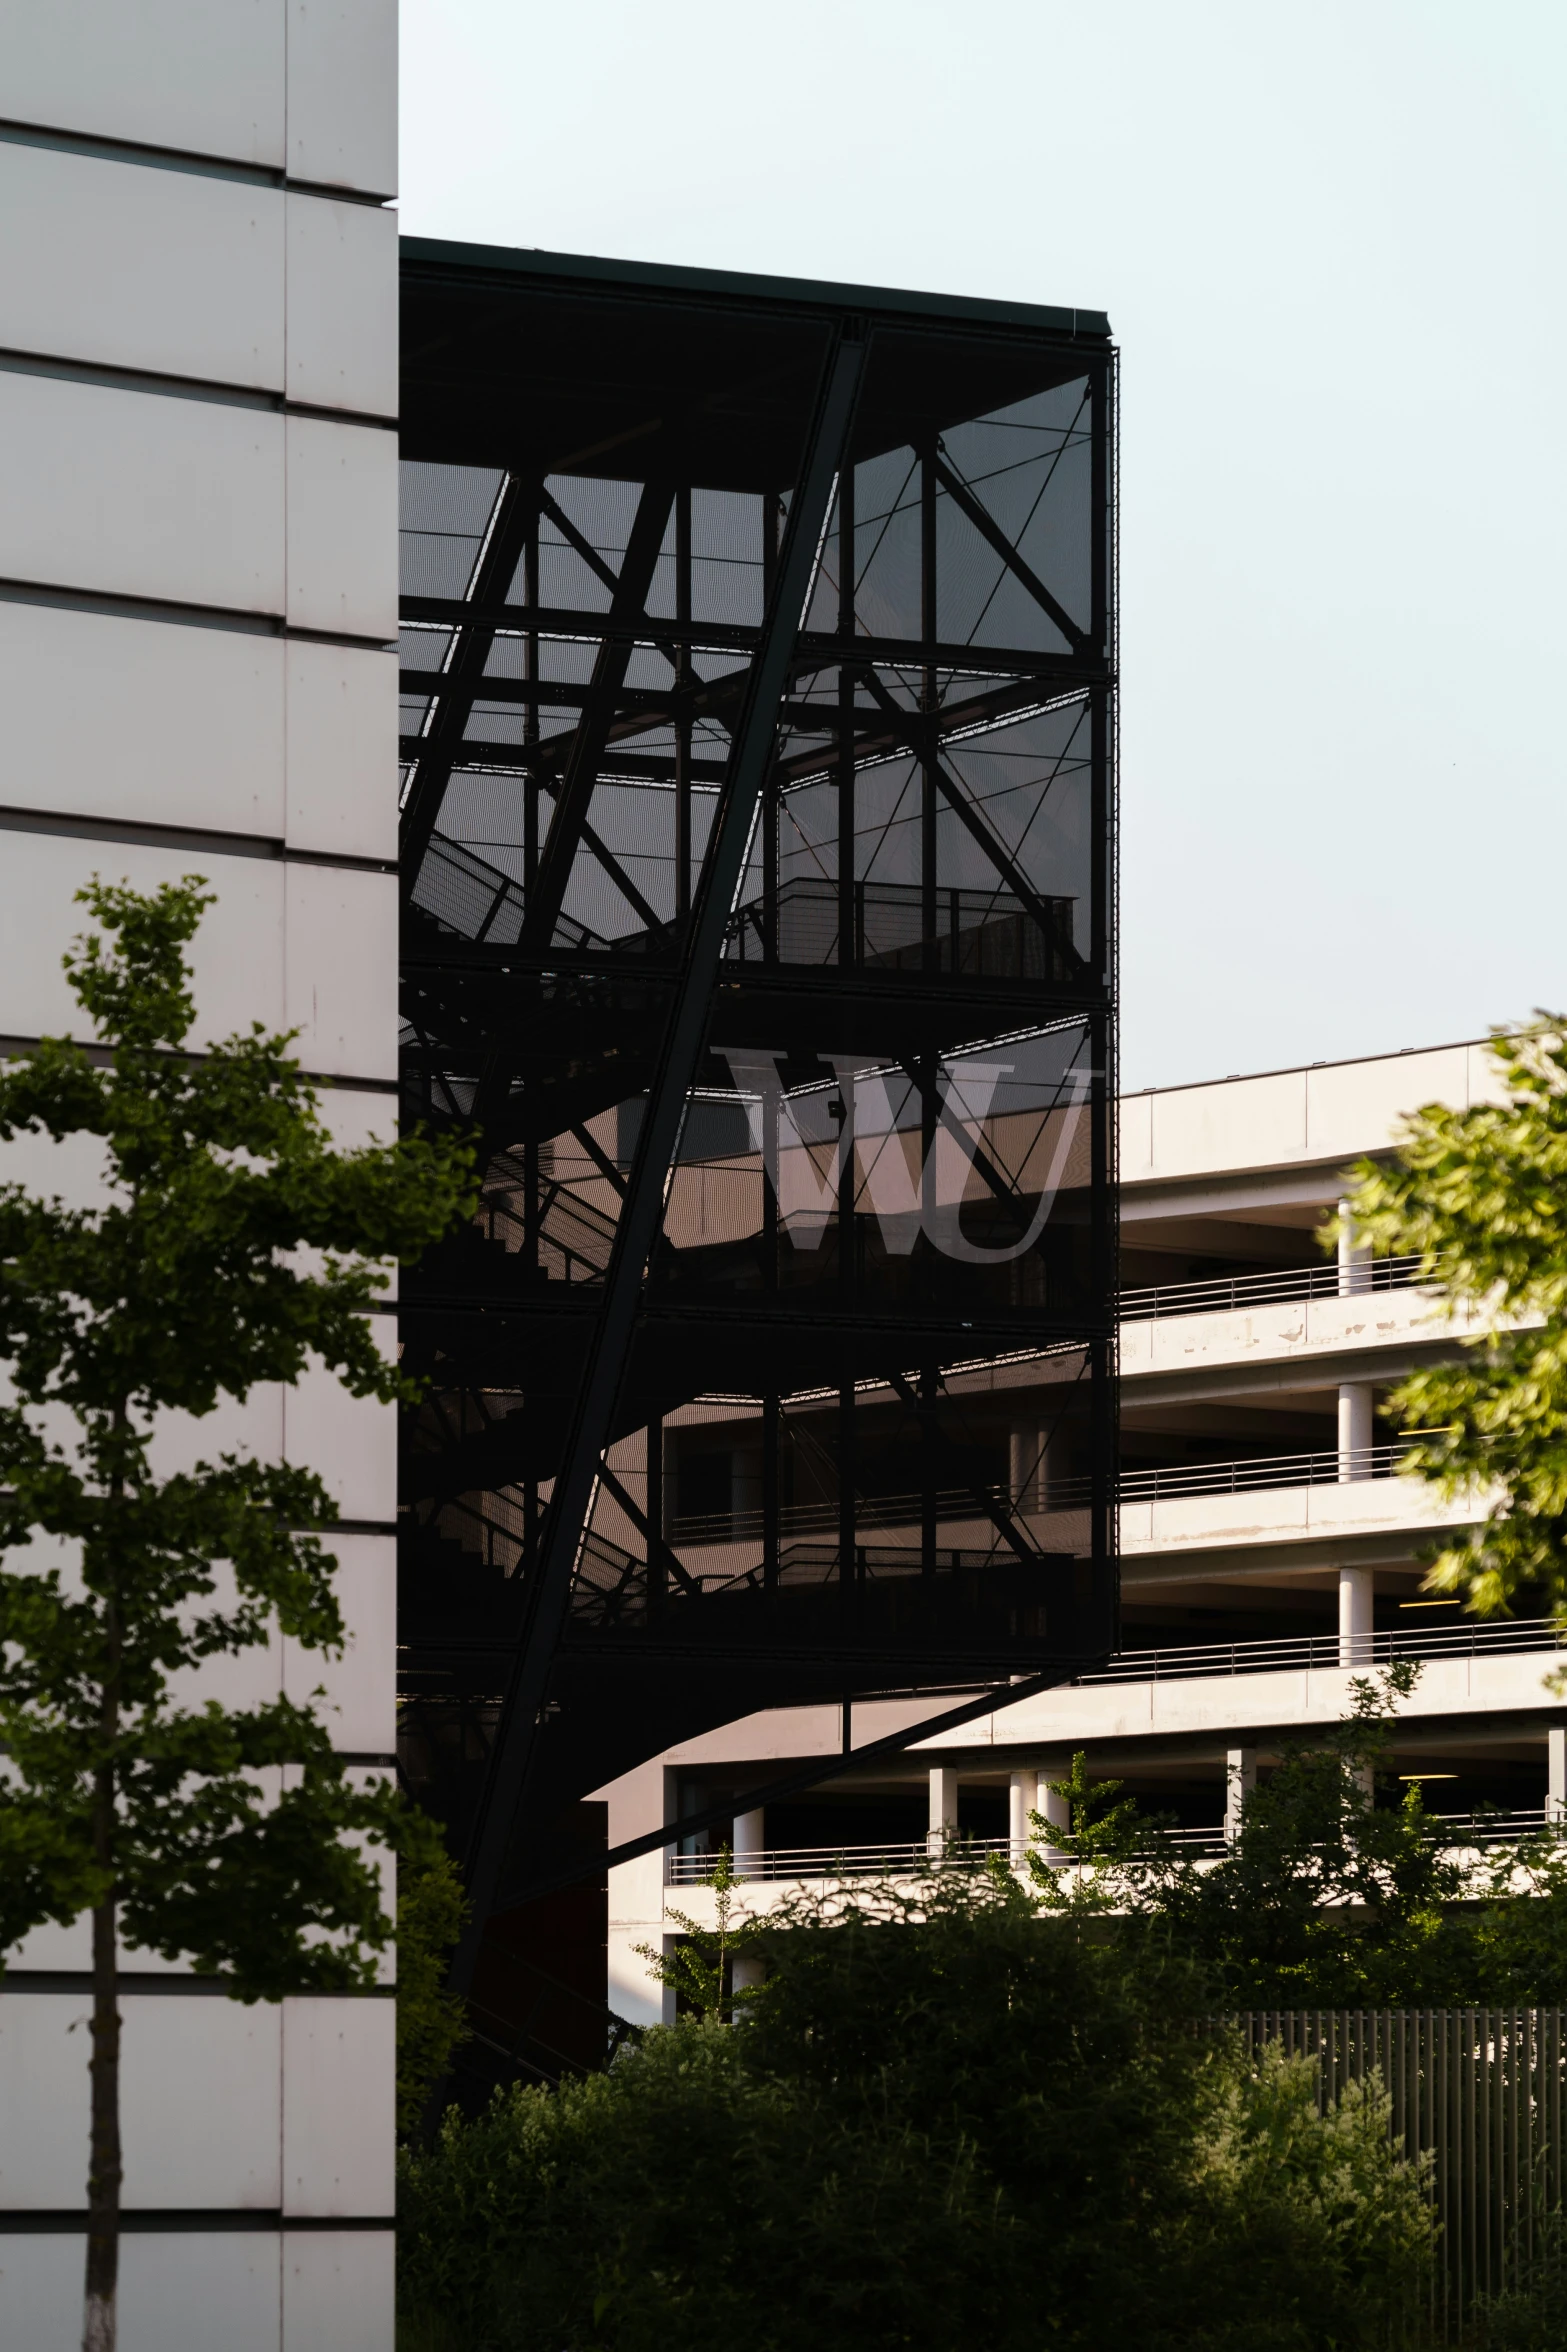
(1478, 2091)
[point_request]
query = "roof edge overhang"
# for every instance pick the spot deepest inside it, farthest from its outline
(795, 293)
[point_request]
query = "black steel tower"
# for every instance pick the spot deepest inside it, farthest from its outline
(758, 858)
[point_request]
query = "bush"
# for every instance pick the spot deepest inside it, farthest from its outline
(679, 2200)
(1308, 2230)
(431, 2024)
(966, 2126)
(1532, 2315)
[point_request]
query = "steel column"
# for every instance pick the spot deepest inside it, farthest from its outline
(751, 752)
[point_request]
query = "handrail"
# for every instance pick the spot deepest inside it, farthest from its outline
(1323, 1650)
(592, 1231)
(1330, 1466)
(1217, 1293)
(976, 933)
(1327, 1467)
(973, 1853)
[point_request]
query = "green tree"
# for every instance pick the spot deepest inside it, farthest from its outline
(945, 2121)
(1518, 1926)
(1326, 1898)
(701, 1968)
(1338, 1890)
(1481, 1197)
(432, 2023)
(681, 2199)
(231, 1245)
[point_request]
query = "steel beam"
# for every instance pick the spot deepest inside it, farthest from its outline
(587, 745)
(463, 677)
(991, 532)
(918, 732)
(751, 751)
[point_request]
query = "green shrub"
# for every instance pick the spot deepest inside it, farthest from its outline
(966, 2127)
(1532, 2315)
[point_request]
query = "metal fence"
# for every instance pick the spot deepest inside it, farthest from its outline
(1481, 2091)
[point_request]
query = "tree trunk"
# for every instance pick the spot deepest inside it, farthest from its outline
(103, 2180)
(100, 2324)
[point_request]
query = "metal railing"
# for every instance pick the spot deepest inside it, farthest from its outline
(572, 1239)
(984, 934)
(1330, 1466)
(465, 894)
(1216, 1294)
(892, 1861)
(1326, 1467)
(1264, 1656)
(974, 1853)
(871, 1512)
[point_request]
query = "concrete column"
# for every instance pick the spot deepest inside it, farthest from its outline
(1354, 1258)
(1556, 1773)
(1022, 1798)
(746, 1972)
(1036, 1462)
(1025, 1467)
(1354, 1430)
(1058, 1815)
(1240, 1778)
(1356, 1587)
(943, 1808)
(750, 1846)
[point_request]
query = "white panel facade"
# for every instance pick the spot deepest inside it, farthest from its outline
(142, 746)
(359, 1688)
(170, 2287)
(337, 2056)
(342, 94)
(199, 2101)
(198, 516)
(342, 305)
(141, 494)
(143, 267)
(308, 729)
(341, 976)
(331, 984)
(347, 1439)
(337, 2292)
(342, 750)
(342, 528)
(200, 77)
(238, 953)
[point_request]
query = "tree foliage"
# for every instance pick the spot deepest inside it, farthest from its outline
(1339, 1889)
(223, 1243)
(1480, 1196)
(431, 2022)
(944, 2121)
(185, 1287)
(700, 1971)
(1530, 2315)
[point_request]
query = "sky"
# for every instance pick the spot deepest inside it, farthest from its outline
(1330, 242)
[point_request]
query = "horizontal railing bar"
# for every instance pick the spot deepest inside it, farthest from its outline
(1329, 1466)
(1214, 1293)
(1264, 1655)
(973, 1853)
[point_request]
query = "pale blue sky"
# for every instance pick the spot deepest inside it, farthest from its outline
(1330, 241)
